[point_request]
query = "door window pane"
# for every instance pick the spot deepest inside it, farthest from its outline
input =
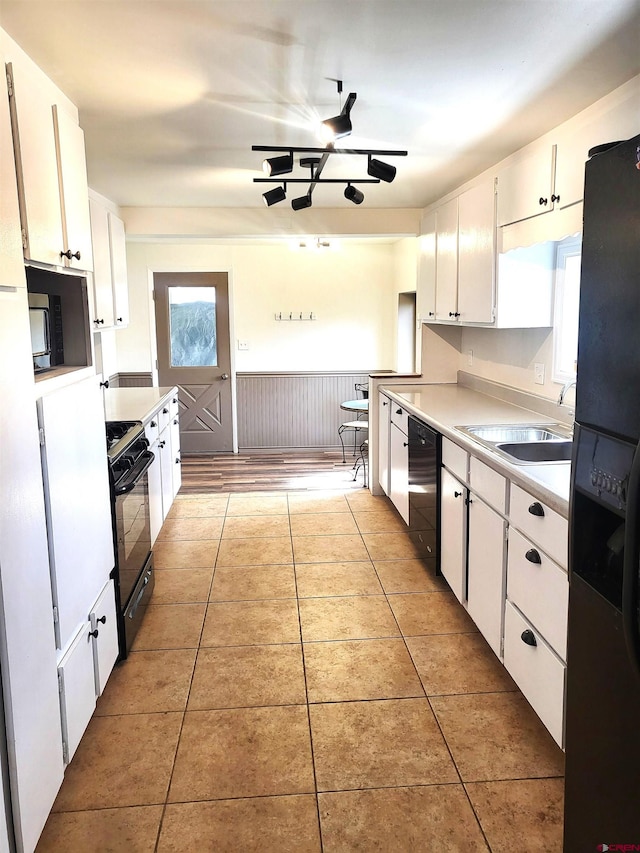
(192, 327)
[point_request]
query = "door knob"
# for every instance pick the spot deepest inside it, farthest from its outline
(224, 376)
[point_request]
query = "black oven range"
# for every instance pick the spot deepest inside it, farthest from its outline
(129, 461)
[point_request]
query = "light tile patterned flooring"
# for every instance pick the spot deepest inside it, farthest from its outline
(303, 683)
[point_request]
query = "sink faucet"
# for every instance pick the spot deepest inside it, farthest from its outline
(564, 390)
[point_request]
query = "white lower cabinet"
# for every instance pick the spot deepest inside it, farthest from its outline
(453, 534)
(399, 470)
(162, 430)
(486, 571)
(384, 412)
(536, 669)
(84, 669)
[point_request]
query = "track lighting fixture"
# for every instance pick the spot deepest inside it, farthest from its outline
(302, 202)
(282, 165)
(380, 170)
(274, 196)
(353, 194)
(333, 128)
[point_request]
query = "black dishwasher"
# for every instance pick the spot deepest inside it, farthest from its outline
(425, 447)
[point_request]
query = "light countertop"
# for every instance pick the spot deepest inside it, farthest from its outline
(446, 406)
(133, 404)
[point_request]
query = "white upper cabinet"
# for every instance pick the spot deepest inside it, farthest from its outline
(426, 289)
(74, 192)
(447, 261)
(111, 294)
(51, 173)
(11, 258)
(476, 253)
(525, 187)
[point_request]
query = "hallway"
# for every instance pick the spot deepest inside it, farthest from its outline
(303, 683)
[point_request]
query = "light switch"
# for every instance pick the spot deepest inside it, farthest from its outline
(539, 373)
(243, 345)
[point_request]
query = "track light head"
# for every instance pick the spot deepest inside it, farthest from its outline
(335, 128)
(274, 166)
(301, 203)
(380, 170)
(353, 194)
(274, 196)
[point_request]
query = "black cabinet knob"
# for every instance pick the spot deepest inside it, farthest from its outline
(102, 619)
(104, 384)
(529, 637)
(153, 424)
(457, 494)
(543, 201)
(69, 254)
(175, 400)
(536, 509)
(533, 556)
(432, 313)
(555, 197)
(398, 411)
(119, 319)
(165, 411)
(97, 322)
(161, 444)
(384, 403)
(175, 422)
(94, 634)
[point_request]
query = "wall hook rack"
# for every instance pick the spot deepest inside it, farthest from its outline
(295, 315)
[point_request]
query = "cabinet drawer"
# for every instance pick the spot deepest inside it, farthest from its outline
(164, 415)
(152, 430)
(542, 525)
(539, 589)
(399, 417)
(536, 670)
(488, 484)
(174, 408)
(455, 459)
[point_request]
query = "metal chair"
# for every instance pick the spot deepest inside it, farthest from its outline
(360, 424)
(361, 462)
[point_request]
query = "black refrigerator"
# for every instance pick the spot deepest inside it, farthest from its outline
(602, 791)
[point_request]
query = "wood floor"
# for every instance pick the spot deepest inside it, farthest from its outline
(268, 471)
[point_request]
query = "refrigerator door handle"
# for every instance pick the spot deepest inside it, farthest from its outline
(631, 565)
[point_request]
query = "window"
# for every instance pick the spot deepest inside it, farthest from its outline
(567, 300)
(192, 322)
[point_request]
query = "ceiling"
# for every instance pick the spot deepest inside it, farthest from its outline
(173, 93)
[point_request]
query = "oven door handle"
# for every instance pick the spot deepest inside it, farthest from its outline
(140, 468)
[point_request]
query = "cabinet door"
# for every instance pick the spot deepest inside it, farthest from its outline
(119, 270)
(426, 287)
(27, 641)
(77, 689)
(155, 494)
(11, 257)
(384, 408)
(174, 430)
(476, 253)
(486, 592)
(525, 187)
(36, 167)
(78, 501)
(447, 261)
(102, 290)
(399, 471)
(74, 192)
(105, 644)
(166, 470)
(453, 534)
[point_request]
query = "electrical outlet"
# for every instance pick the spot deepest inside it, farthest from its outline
(469, 357)
(243, 345)
(538, 370)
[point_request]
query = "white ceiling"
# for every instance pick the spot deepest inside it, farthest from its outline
(173, 93)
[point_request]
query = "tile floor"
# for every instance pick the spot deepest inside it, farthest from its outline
(302, 682)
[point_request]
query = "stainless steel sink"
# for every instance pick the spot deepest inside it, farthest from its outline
(538, 451)
(532, 444)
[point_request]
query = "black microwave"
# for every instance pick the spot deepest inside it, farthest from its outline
(45, 321)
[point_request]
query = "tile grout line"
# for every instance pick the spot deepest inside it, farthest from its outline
(306, 686)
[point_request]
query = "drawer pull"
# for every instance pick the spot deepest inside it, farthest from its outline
(533, 556)
(529, 638)
(398, 411)
(457, 494)
(536, 509)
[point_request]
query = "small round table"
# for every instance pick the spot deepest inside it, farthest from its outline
(355, 405)
(360, 407)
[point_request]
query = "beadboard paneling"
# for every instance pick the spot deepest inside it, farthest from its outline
(293, 410)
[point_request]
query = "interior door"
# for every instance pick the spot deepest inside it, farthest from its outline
(192, 328)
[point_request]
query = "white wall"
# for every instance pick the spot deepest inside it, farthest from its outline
(352, 291)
